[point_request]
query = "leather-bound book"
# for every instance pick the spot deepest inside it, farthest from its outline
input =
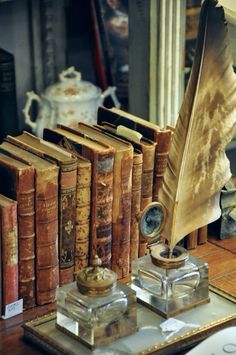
(17, 183)
(122, 190)
(46, 222)
(202, 234)
(101, 156)
(147, 149)
(162, 138)
(83, 203)
(135, 204)
(192, 240)
(9, 246)
(67, 197)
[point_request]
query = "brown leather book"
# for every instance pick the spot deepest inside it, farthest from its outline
(162, 138)
(46, 222)
(9, 246)
(191, 240)
(83, 203)
(17, 183)
(67, 197)
(122, 190)
(202, 234)
(101, 156)
(147, 148)
(135, 204)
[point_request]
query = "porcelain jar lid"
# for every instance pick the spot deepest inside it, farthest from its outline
(96, 280)
(71, 88)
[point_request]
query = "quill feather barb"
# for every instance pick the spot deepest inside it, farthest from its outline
(197, 166)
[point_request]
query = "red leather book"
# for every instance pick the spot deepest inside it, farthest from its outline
(9, 241)
(46, 223)
(17, 183)
(67, 164)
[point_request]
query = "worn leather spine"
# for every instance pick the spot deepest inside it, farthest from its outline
(25, 194)
(135, 204)
(9, 240)
(163, 140)
(83, 202)
(202, 234)
(67, 215)
(17, 182)
(47, 235)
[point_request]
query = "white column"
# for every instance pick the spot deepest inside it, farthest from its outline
(166, 74)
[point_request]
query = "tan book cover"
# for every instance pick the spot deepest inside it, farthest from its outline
(46, 222)
(66, 197)
(122, 191)
(101, 156)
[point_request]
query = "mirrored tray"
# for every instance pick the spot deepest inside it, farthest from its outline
(211, 317)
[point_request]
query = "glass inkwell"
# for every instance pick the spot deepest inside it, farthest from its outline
(168, 284)
(95, 309)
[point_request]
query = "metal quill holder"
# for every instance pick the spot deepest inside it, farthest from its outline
(168, 284)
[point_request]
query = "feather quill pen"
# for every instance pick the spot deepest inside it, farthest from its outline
(197, 167)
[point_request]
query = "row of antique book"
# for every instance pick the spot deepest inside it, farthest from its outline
(72, 195)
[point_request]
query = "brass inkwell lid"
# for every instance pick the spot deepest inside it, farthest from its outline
(151, 223)
(96, 280)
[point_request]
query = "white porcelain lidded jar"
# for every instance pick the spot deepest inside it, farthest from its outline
(66, 102)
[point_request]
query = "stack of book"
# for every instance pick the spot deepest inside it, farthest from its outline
(72, 195)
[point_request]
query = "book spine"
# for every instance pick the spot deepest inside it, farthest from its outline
(101, 216)
(121, 214)
(163, 140)
(148, 173)
(9, 254)
(67, 215)
(191, 240)
(83, 201)
(135, 205)
(26, 237)
(47, 276)
(8, 107)
(202, 234)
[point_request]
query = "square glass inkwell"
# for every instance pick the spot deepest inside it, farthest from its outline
(168, 284)
(95, 309)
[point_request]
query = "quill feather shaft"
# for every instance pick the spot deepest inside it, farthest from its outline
(197, 167)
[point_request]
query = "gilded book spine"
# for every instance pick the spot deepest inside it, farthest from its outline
(121, 214)
(9, 253)
(135, 205)
(26, 232)
(67, 215)
(161, 157)
(101, 217)
(83, 201)
(148, 173)
(47, 235)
